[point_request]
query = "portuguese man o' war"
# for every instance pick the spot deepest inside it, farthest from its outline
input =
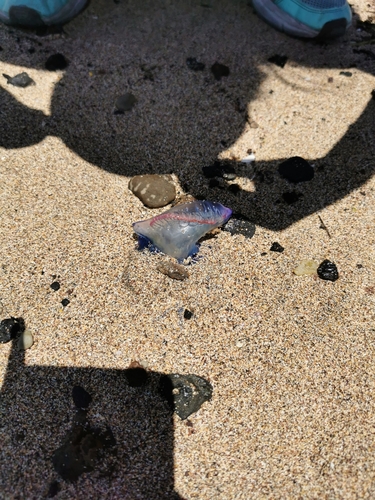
(176, 231)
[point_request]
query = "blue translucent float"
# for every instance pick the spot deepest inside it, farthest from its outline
(176, 231)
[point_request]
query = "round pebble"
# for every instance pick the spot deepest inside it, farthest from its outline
(153, 190)
(55, 286)
(125, 102)
(25, 341)
(219, 70)
(55, 62)
(296, 169)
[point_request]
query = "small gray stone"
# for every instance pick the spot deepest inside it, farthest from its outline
(125, 102)
(174, 271)
(21, 80)
(153, 190)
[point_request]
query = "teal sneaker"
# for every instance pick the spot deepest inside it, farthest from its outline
(38, 13)
(320, 19)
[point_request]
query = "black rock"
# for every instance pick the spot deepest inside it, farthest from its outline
(373, 94)
(278, 60)
(234, 188)
(81, 397)
(55, 286)
(11, 328)
(276, 247)
(328, 271)
(53, 489)
(238, 224)
(291, 197)
(55, 62)
(188, 314)
(125, 102)
(346, 73)
(219, 70)
(193, 64)
(136, 377)
(21, 80)
(185, 394)
(296, 169)
(65, 302)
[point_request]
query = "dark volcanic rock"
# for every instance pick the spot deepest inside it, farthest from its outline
(153, 190)
(238, 224)
(219, 70)
(328, 271)
(125, 102)
(185, 393)
(276, 247)
(136, 375)
(21, 80)
(55, 286)
(194, 65)
(296, 169)
(55, 62)
(81, 397)
(278, 60)
(11, 328)
(188, 314)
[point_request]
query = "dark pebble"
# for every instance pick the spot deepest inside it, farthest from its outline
(219, 70)
(81, 397)
(359, 266)
(21, 80)
(278, 60)
(291, 197)
(188, 314)
(11, 328)
(136, 377)
(328, 271)
(346, 73)
(276, 247)
(239, 224)
(234, 188)
(55, 62)
(53, 489)
(194, 65)
(65, 302)
(185, 394)
(373, 94)
(55, 286)
(296, 169)
(125, 102)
